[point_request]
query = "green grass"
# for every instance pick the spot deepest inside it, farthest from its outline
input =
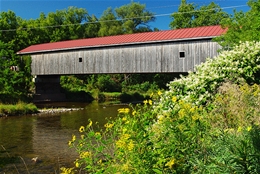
(17, 109)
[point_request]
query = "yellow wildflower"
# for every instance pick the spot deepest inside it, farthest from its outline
(151, 95)
(174, 99)
(150, 102)
(82, 136)
(239, 129)
(85, 154)
(90, 124)
(77, 164)
(73, 138)
(70, 143)
(181, 113)
(134, 113)
(186, 106)
(249, 128)
(123, 110)
(125, 136)
(145, 102)
(170, 163)
(100, 161)
(195, 117)
(124, 118)
(125, 167)
(192, 109)
(120, 143)
(159, 93)
(108, 125)
(97, 134)
(131, 145)
(81, 129)
(66, 170)
(124, 130)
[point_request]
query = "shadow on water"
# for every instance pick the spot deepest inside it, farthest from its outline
(46, 137)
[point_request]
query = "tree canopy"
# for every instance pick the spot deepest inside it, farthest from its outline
(242, 26)
(67, 24)
(191, 15)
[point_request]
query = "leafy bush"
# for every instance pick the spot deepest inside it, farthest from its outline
(106, 84)
(239, 65)
(183, 139)
(176, 134)
(121, 146)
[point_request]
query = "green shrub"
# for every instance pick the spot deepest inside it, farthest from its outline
(183, 139)
(176, 134)
(239, 65)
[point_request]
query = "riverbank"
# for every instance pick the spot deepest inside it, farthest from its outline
(17, 109)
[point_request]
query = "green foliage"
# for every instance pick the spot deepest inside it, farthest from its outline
(235, 103)
(71, 83)
(121, 146)
(17, 109)
(242, 26)
(130, 18)
(235, 129)
(189, 15)
(175, 134)
(111, 28)
(238, 65)
(183, 139)
(134, 17)
(106, 84)
(178, 138)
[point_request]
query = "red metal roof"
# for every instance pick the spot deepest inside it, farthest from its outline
(137, 38)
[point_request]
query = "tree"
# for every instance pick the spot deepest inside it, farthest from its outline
(8, 25)
(189, 15)
(134, 17)
(109, 25)
(183, 18)
(209, 15)
(242, 26)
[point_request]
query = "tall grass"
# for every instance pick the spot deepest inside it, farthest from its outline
(20, 108)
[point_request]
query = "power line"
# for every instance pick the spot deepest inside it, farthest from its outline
(157, 15)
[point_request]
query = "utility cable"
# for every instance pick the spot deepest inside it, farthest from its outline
(156, 15)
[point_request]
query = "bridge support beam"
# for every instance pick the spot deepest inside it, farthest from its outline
(47, 88)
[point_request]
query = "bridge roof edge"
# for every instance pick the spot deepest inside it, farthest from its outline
(206, 32)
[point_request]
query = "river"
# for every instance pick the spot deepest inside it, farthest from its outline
(46, 136)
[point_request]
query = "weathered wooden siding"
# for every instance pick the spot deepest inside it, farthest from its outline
(137, 58)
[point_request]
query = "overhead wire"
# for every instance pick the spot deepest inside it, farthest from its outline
(83, 23)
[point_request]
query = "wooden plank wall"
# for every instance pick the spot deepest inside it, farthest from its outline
(142, 58)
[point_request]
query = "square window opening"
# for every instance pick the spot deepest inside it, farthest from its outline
(182, 54)
(80, 59)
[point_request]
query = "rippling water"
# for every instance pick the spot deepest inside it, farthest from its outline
(46, 137)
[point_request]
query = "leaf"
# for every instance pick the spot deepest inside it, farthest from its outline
(157, 171)
(100, 148)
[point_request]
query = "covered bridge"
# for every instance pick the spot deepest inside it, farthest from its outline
(151, 52)
(171, 51)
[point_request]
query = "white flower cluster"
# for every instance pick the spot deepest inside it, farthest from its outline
(198, 87)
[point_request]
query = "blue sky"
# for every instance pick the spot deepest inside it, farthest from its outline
(30, 9)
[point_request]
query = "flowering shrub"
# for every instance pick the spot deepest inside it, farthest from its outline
(121, 146)
(185, 139)
(175, 134)
(240, 64)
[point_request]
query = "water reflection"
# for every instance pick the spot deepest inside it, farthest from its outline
(46, 136)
